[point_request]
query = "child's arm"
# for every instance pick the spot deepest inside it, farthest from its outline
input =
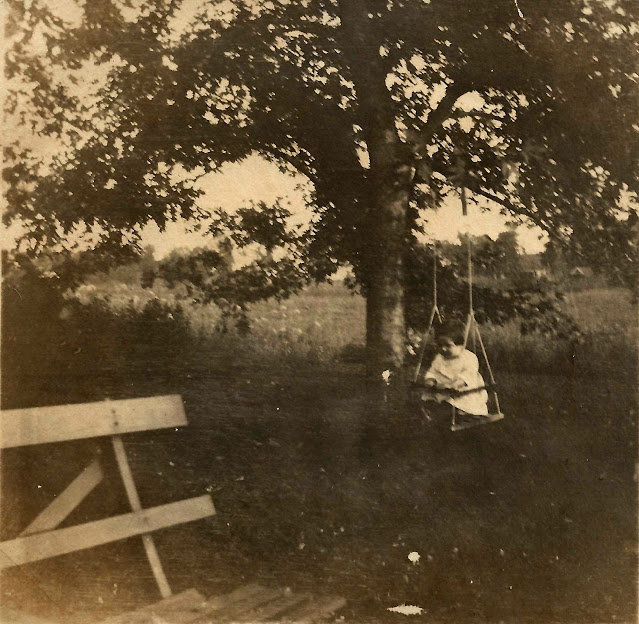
(433, 377)
(430, 376)
(469, 372)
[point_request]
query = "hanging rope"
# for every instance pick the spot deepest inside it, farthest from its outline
(470, 277)
(472, 329)
(469, 273)
(433, 313)
(490, 371)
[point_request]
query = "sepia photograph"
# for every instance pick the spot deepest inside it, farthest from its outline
(319, 312)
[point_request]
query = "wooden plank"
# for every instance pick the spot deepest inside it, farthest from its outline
(315, 611)
(228, 608)
(68, 500)
(175, 605)
(276, 609)
(134, 501)
(239, 610)
(9, 616)
(219, 604)
(191, 609)
(41, 425)
(187, 613)
(44, 545)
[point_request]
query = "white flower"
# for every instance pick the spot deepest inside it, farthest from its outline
(407, 609)
(414, 557)
(386, 375)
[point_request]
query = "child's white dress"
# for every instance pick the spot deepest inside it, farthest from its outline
(448, 372)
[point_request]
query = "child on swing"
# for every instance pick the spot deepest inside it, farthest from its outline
(454, 370)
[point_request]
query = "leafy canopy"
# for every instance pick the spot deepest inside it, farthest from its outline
(536, 114)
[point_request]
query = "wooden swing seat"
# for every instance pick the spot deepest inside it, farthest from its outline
(466, 421)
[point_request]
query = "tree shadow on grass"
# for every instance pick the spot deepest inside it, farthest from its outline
(318, 490)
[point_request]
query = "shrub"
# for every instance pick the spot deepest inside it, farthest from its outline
(533, 303)
(71, 349)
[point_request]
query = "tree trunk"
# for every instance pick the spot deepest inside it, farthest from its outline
(385, 249)
(390, 177)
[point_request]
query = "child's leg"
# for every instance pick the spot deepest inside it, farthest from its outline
(435, 411)
(425, 411)
(429, 395)
(427, 403)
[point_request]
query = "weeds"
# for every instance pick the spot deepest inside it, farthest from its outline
(326, 324)
(527, 519)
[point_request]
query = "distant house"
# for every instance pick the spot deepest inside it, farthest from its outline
(580, 272)
(533, 265)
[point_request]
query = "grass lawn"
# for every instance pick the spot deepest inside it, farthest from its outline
(603, 310)
(532, 519)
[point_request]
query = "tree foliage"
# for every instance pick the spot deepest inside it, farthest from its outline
(551, 104)
(618, 261)
(387, 107)
(533, 303)
(275, 262)
(491, 258)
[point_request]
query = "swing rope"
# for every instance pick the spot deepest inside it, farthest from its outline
(471, 329)
(472, 321)
(434, 312)
(471, 311)
(490, 371)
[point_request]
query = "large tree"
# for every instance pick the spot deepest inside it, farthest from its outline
(386, 106)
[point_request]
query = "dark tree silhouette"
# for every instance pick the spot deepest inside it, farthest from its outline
(385, 106)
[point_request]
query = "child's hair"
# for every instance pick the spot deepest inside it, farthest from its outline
(455, 330)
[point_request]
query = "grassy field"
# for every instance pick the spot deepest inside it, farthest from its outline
(604, 310)
(326, 324)
(316, 325)
(532, 519)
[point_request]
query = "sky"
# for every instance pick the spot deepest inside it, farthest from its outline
(255, 179)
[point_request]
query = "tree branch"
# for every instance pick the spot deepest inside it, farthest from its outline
(479, 114)
(505, 203)
(282, 154)
(438, 115)
(547, 228)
